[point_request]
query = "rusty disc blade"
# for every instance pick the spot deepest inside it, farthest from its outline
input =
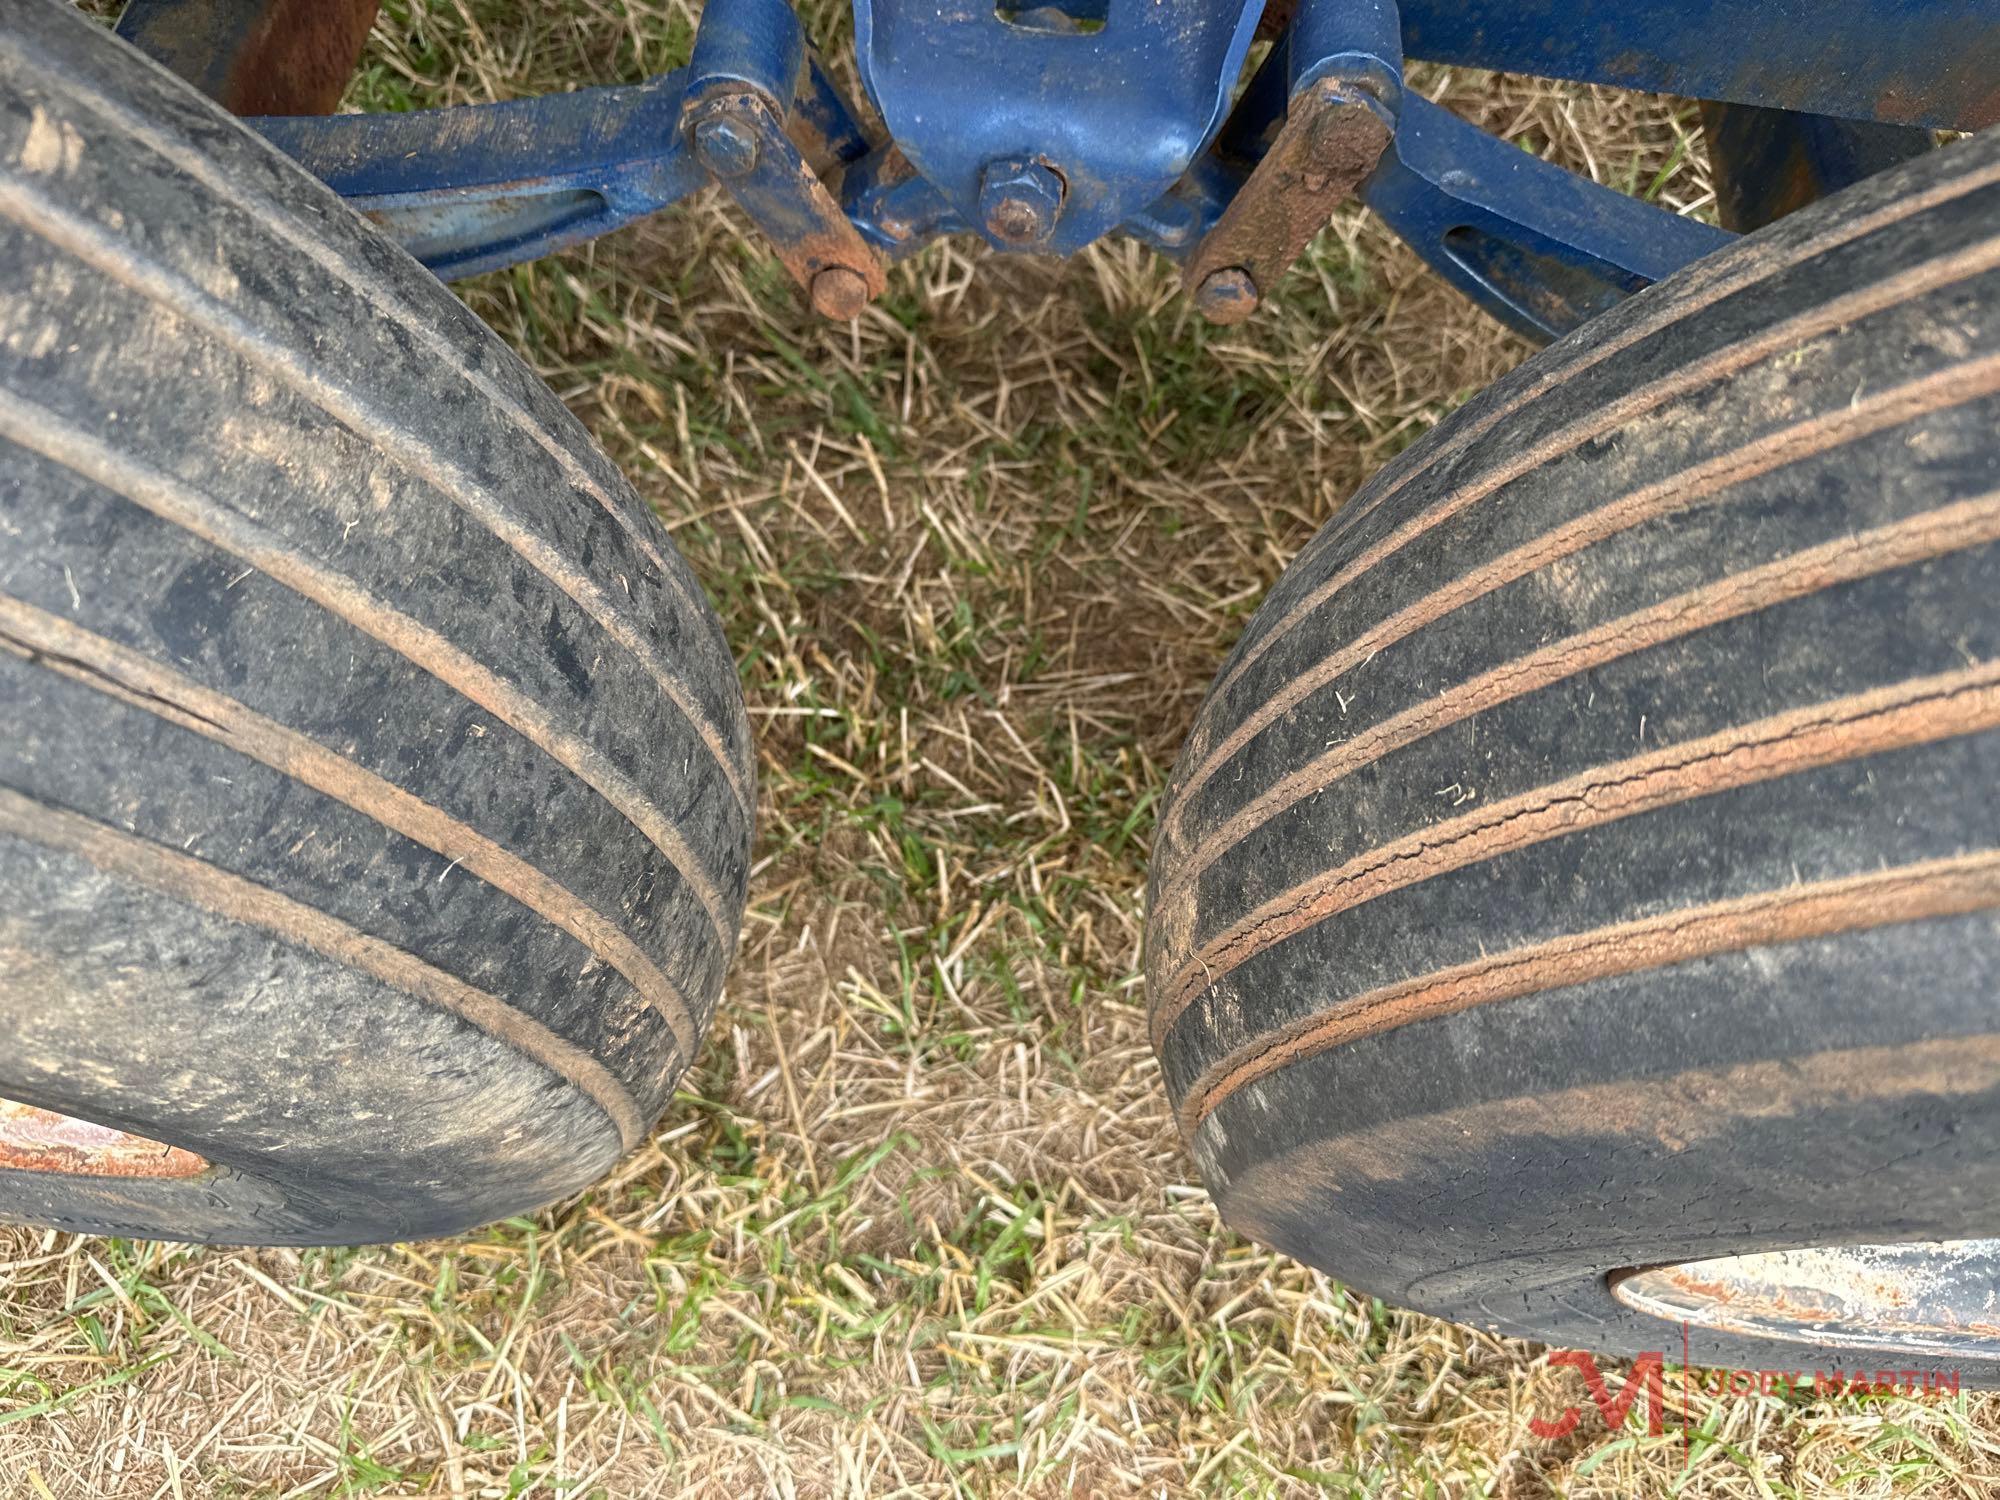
(1919, 1298)
(41, 1140)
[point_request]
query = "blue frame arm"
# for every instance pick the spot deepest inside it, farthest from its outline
(478, 187)
(481, 186)
(1540, 248)
(1933, 63)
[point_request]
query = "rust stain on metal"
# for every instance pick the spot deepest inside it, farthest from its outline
(894, 171)
(832, 244)
(1330, 140)
(256, 57)
(1915, 1296)
(807, 226)
(40, 1140)
(1227, 296)
(839, 293)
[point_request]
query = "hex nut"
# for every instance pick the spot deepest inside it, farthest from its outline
(726, 147)
(1019, 202)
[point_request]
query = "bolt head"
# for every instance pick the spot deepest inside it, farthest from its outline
(726, 147)
(1226, 296)
(1019, 202)
(840, 293)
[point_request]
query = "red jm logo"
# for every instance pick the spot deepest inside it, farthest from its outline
(1647, 1374)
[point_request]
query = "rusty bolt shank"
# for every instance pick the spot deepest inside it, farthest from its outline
(740, 140)
(1226, 296)
(839, 293)
(1334, 132)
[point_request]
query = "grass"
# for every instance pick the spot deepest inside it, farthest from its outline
(918, 1224)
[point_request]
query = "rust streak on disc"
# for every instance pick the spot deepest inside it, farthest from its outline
(40, 1140)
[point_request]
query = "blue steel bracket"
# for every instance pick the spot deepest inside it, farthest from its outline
(1319, 113)
(1540, 248)
(1111, 99)
(1076, 150)
(896, 209)
(1766, 163)
(478, 187)
(749, 64)
(482, 186)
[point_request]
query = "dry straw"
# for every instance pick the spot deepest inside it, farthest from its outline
(919, 1224)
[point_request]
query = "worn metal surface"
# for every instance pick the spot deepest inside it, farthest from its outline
(1227, 295)
(894, 207)
(1770, 162)
(807, 227)
(40, 1140)
(726, 147)
(1019, 202)
(1542, 249)
(822, 124)
(752, 47)
(255, 57)
(1114, 109)
(479, 187)
(1175, 224)
(488, 185)
(1903, 62)
(1936, 1298)
(1119, 111)
(840, 293)
(1331, 139)
(1310, 125)
(749, 66)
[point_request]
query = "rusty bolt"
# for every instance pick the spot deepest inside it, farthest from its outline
(1019, 202)
(1226, 296)
(726, 147)
(840, 293)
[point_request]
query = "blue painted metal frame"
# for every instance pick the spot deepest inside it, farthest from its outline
(1766, 163)
(1119, 111)
(1125, 104)
(748, 70)
(484, 186)
(1542, 249)
(1902, 62)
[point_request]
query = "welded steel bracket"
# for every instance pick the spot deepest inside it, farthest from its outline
(1112, 99)
(1340, 65)
(749, 64)
(1540, 248)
